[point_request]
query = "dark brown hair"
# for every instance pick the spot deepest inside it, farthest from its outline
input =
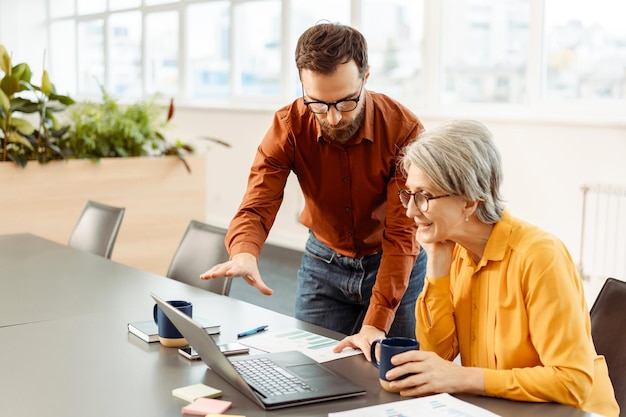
(323, 47)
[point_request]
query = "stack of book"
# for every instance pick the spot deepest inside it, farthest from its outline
(147, 330)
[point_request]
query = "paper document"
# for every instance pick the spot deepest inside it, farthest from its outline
(318, 348)
(432, 406)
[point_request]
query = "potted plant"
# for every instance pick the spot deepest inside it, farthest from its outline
(102, 151)
(94, 130)
(107, 129)
(20, 140)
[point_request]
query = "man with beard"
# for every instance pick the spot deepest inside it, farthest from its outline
(361, 271)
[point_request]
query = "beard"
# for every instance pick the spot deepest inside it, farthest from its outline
(343, 131)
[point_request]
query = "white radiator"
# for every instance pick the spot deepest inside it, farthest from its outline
(603, 233)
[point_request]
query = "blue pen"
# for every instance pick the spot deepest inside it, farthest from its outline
(252, 331)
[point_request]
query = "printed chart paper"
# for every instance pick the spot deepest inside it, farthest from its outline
(318, 348)
(438, 405)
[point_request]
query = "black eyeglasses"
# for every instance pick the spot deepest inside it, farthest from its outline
(421, 200)
(344, 106)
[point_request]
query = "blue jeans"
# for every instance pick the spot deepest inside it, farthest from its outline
(334, 290)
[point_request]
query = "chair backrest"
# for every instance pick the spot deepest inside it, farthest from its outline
(608, 317)
(96, 229)
(201, 247)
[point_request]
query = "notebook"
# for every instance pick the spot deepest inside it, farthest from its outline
(148, 331)
(313, 382)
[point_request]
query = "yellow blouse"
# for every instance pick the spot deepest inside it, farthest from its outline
(520, 314)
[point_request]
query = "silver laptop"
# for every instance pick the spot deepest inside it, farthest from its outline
(273, 380)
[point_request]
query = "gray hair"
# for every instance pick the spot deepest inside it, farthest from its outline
(461, 159)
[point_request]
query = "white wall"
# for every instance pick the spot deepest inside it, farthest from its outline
(545, 164)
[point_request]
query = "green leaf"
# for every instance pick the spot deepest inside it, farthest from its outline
(57, 150)
(10, 85)
(5, 60)
(46, 85)
(54, 109)
(22, 72)
(67, 100)
(22, 126)
(23, 105)
(5, 103)
(15, 137)
(19, 159)
(25, 85)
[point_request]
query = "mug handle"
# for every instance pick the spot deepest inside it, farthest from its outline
(154, 313)
(375, 361)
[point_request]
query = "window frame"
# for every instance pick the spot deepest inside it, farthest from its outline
(537, 108)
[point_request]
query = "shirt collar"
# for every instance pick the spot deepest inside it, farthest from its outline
(500, 234)
(496, 247)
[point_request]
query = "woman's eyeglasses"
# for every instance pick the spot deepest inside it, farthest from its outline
(421, 201)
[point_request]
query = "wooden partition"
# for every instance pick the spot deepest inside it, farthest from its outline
(159, 195)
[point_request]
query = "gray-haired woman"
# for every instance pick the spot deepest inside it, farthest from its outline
(500, 292)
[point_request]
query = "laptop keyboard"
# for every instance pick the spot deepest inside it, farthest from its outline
(269, 379)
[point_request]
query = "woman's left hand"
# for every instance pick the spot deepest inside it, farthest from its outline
(439, 257)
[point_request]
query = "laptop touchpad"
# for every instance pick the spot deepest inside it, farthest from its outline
(309, 371)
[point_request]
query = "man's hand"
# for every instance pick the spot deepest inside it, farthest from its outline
(241, 265)
(362, 340)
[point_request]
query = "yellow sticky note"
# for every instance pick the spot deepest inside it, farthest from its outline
(192, 392)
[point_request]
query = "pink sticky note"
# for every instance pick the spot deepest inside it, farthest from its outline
(204, 406)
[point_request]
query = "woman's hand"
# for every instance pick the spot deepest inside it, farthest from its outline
(431, 374)
(439, 258)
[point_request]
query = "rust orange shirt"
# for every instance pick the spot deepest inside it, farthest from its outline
(350, 192)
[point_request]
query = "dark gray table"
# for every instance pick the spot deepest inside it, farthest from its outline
(65, 350)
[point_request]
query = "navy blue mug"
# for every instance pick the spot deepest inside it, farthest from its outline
(389, 347)
(168, 333)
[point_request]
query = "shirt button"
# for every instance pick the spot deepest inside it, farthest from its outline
(347, 208)
(345, 180)
(350, 234)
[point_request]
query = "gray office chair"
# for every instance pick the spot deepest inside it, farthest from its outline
(608, 316)
(201, 247)
(96, 229)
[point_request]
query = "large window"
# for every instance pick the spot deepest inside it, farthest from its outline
(124, 63)
(434, 55)
(484, 58)
(208, 62)
(395, 48)
(161, 72)
(91, 67)
(257, 49)
(585, 47)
